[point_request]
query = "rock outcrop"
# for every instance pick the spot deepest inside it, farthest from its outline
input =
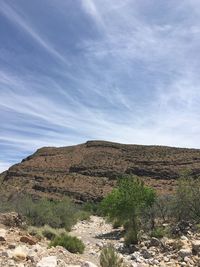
(89, 171)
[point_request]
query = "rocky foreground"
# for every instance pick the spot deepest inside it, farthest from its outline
(18, 249)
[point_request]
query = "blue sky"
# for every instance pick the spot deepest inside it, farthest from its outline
(76, 70)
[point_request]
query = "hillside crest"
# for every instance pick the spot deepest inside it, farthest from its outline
(89, 171)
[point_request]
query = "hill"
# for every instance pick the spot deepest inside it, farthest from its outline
(89, 171)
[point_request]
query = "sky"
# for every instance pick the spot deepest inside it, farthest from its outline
(76, 70)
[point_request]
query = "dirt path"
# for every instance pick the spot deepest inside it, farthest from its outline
(95, 234)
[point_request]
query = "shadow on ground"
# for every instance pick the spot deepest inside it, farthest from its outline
(113, 235)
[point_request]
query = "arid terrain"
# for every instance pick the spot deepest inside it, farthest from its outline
(19, 249)
(88, 171)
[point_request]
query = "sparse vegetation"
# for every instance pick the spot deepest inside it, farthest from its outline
(71, 243)
(187, 199)
(55, 213)
(110, 258)
(45, 231)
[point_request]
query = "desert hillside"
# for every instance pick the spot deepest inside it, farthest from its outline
(88, 171)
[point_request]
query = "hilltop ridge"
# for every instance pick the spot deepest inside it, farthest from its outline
(89, 171)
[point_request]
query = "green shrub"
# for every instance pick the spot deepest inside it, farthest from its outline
(57, 214)
(71, 243)
(187, 199)
(110, 258)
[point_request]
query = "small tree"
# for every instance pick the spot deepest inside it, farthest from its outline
(125, 204)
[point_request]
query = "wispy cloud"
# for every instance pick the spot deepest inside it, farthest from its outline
(91, 9)
(132, 77)
(21, 22)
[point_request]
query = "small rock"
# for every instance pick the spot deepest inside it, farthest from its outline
(156, 262)
(2, 235)
(12, 246)
(28, 239)
(4, 254)
(185, 252)
(50, 261)
(183, 263)
(183, 237)
(155, 242)
(145, 253)
(32, 255)
(100, 244)
(20, 253)
(166, 259)
(88, 264)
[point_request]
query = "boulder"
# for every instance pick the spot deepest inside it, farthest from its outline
(50, 261)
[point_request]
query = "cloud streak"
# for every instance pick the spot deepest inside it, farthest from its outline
(132, 77)
(22, 23)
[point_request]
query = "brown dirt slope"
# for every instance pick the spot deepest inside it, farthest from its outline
(88, 171)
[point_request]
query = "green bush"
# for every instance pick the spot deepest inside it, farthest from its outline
(187, 199)
(110, 258)
(71, 243)
(126, 204)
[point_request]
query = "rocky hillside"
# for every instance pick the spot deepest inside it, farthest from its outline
(88, 171)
